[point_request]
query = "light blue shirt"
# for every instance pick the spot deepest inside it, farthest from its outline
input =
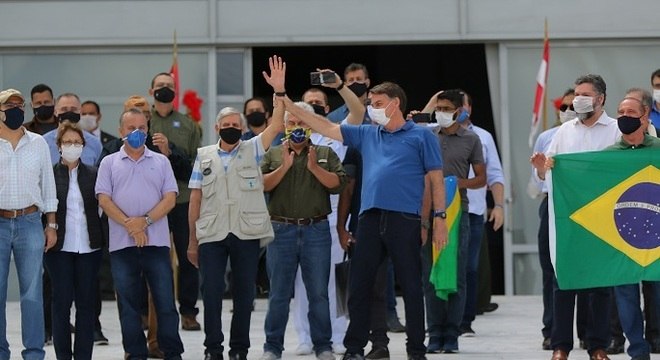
(494, 173)
(541, 146)
(90, 154)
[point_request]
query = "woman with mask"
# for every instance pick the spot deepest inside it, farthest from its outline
(74, 261)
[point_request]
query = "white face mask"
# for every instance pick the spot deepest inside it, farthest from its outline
(71, 153)
(87, 122)
(583, 104)
(444, 119)
(567, 115)
(378, 115)
(656, 95)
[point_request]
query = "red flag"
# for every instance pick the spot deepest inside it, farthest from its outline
(541, 81)
(174, 70)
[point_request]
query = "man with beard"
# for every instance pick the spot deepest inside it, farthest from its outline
(591, 130)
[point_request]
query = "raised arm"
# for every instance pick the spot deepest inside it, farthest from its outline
(318, 123)
(355, 107)
(276, 80)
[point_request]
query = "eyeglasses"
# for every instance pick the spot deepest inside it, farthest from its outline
(565, 107)
(74, 143)
(14, 105)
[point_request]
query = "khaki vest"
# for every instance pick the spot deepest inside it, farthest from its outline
(232, 201)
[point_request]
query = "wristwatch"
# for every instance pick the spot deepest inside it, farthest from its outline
(440, 213)
(148, 220)
(52, 226)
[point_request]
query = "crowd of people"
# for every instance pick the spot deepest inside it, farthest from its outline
(302, 183)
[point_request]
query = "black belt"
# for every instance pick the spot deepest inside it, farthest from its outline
(12, 214)
(299, 221)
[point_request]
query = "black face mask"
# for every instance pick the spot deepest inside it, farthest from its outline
(164, 95)
(318, 109)
(14, 118)
(256, 119)
(69, 115)
(230, 135)
(358, 88)
(628, 124)
(44, 112)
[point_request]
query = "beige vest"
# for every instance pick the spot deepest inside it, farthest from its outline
(232, 201)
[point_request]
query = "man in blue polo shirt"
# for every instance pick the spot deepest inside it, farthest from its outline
(397, 156)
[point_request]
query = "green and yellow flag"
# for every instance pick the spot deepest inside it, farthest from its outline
(445, 261)
(605, 218)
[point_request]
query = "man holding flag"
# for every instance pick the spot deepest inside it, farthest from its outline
(632, 122)
(591, 130)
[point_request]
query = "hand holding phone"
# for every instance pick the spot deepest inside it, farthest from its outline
(322, 77)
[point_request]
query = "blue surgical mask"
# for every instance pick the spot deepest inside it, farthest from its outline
(136, 138)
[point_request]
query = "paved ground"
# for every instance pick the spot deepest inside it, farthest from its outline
(512, 332)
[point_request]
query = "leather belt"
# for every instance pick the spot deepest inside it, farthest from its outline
(299, 221)
(12, 214)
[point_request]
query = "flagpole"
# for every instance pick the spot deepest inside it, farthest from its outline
(545, 91)
(174, 70)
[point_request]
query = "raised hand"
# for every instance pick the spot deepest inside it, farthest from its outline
(277, 73)
(332, 85)
(287, 155)
(312, 159)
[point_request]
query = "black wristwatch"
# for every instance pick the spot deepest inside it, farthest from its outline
(440, 213)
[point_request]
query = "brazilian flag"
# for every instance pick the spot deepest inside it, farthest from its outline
(605, 217)
(445, 262)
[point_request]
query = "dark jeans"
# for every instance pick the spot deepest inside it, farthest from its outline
(472, 267)
(444, 317)
(390, 292)
(244, 257)
(547, 271)
(597, 331)
(128, 265)
(380, 233)
(73, 277)
(188, 278)
(378, 328)
(650, 311)
(632, 320)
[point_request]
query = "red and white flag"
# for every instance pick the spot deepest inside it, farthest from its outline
(174, 70)
(541, 81)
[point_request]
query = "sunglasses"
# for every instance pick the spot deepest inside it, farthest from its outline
(565, 107)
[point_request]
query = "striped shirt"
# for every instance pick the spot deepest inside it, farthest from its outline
(26, 177)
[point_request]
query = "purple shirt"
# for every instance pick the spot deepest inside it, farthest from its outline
(136, 187)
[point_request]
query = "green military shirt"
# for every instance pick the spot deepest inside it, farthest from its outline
(300, 194)
(181, 131)
(649, 141)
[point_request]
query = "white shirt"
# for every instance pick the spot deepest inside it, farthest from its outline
(26, 174)
(494, 173)
(573, 136)
(76, 236)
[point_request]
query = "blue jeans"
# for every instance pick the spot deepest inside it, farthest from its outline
(153, 262)
(630, 315)
(24, 236)
(309, 247)
(471, 273)
(244, 257)
(73, 276)
(444, 317)
(382, 233)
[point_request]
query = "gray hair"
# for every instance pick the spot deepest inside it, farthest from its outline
(596, 82)
(645, 95)
(305, 106)
(226, 111)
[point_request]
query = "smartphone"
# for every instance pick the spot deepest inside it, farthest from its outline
(322, 77)
(422, 118)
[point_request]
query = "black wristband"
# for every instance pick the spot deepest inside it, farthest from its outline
(341, 86)
(283, 93)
